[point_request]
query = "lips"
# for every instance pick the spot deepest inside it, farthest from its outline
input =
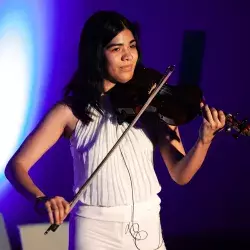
(127, 68)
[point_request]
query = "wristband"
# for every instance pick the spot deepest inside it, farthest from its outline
(40, 209)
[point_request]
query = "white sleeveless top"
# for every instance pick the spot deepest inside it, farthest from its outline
(131, 161)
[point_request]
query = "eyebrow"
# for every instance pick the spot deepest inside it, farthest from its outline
(118, 44)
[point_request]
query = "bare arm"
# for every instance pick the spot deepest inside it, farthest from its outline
(34, 147)
(182, 167)
(36, 144)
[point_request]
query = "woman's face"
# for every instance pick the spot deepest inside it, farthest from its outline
(121, 57)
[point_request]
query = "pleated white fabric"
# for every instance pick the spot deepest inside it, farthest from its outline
(130, 167)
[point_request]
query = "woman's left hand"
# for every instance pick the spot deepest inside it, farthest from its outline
(213, 121)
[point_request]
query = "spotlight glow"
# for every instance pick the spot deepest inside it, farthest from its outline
(25, 41)
(15, 80)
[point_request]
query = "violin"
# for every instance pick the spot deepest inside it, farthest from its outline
(174, 104)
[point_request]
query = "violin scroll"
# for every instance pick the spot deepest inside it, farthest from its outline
(242, 127)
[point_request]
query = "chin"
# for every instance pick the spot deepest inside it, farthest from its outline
(125, 79)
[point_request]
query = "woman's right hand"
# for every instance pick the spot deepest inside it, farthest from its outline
(58, 209)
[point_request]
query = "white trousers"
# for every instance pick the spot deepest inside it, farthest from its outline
(97, 228)
(91, 234)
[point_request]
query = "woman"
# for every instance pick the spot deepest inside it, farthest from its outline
(120, 209)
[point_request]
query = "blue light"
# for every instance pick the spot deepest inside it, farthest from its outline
(22, 59)
(15, 64)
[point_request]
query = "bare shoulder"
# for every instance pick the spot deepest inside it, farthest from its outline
(70, 120)
(62, 110)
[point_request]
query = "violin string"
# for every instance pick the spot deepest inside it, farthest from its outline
(165, 90)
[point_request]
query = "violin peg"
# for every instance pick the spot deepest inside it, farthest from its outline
(234, 115)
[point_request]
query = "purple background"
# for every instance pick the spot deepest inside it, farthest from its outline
(213, 210)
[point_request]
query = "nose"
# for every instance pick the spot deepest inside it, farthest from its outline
(127, 55)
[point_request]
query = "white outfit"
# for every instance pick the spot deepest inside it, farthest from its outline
(128, 177)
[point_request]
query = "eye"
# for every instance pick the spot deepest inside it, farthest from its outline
(133, 45)
(116, 49)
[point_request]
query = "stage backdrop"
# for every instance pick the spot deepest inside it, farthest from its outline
(208, 41)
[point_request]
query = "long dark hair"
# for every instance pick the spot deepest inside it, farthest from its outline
(85, 88)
